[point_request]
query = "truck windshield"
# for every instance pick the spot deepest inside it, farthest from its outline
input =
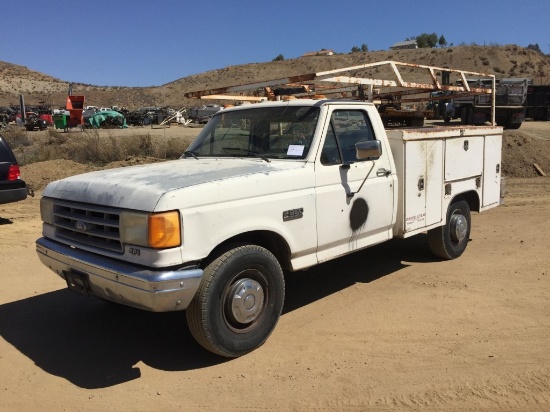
(283, 132)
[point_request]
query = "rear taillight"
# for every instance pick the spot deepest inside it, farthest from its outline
(14, 173)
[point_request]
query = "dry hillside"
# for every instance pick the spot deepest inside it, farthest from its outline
(504, 61)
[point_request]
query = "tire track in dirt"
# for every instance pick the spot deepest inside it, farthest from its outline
(525, 390)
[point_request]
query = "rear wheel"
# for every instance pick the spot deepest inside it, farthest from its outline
(464, 115)
(467, 115)
(417, 122)
(513, 126)
(450, 240)
(239, 301)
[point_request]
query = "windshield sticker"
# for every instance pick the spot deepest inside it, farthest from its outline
(295, 150)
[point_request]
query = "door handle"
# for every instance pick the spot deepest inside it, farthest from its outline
(383, 172)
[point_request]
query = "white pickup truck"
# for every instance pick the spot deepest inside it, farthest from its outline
(264, 189)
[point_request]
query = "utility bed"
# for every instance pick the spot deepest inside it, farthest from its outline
(433, 163)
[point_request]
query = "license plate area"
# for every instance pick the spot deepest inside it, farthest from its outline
(77, 282)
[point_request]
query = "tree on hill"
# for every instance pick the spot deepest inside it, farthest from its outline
(426, 40)
(364, 48)
(535, 47)
(442, 41)
(279, 58)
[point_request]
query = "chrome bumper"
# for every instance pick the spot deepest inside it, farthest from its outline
(130, 285)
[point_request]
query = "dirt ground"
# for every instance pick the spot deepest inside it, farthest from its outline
(388, 328)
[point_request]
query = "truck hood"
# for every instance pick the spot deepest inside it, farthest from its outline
(141, 187)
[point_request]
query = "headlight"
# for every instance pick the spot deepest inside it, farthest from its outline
(133, 228)
(155, 230)
(46, 210)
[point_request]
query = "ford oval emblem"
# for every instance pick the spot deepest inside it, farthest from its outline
(78, 225)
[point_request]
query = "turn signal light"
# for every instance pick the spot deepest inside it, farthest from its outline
(164, 230)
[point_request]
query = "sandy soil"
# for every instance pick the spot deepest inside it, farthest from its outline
(388, 328)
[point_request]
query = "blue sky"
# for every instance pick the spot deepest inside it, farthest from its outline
(149, 43)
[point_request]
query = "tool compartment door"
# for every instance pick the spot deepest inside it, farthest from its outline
(492, 170)
(423, 183)
(463, 157)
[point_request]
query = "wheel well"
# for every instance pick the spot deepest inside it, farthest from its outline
(271, 241)
(471, 197)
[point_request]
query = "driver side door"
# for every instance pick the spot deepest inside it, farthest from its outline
(353, 210)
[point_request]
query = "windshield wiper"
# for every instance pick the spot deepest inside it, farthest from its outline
(250, 152)
(190, 153)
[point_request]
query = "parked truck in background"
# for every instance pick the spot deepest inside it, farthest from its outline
(510, 98)
(203, 113)
(265, 189)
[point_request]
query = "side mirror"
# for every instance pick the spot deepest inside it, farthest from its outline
(371, 148)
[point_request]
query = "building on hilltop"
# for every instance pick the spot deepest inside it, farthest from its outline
(409, 44)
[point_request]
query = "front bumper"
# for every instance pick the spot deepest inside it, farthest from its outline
(128, 284)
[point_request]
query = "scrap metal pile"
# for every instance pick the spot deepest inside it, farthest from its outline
(149, 115)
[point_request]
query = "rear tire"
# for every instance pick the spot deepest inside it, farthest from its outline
(464, 115)
(239, 301)
(467, 115)
(450, 240)
(417, 122)
(513, 126)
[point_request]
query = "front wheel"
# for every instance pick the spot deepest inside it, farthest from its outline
(239, 301)
(450, 240)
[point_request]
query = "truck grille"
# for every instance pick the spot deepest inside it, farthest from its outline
(90, 225)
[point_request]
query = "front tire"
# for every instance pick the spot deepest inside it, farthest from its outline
(239, 301)
(450, 240)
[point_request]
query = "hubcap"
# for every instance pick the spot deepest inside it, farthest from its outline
(459, 228)
(246, 299)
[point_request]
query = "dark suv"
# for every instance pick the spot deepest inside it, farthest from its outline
(12, 188)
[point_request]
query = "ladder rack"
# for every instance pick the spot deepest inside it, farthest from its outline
(340, 83)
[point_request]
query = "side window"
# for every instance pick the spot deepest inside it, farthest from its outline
(347, 127)
(330, 155)
(4, 156)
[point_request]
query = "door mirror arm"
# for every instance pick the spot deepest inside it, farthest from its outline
(364, 150)
(351, 194)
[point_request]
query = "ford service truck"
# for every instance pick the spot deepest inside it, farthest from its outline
(264, 189)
